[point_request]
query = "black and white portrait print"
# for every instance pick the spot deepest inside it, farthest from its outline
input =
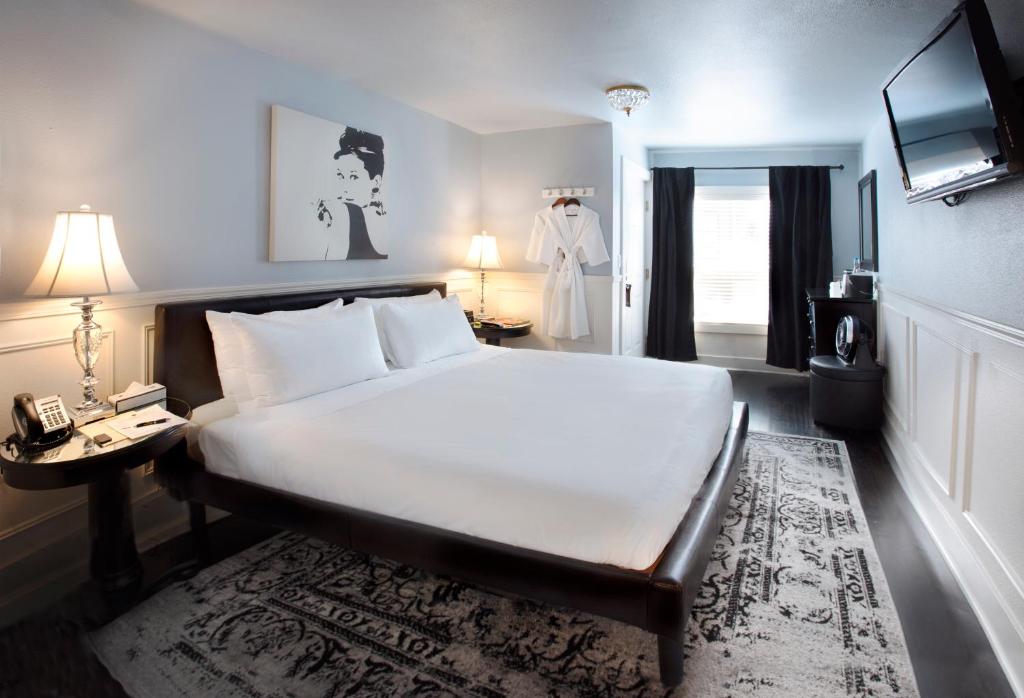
(327, 190)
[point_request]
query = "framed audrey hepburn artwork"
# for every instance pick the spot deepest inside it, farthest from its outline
(327, 193)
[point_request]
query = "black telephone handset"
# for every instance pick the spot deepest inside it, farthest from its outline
(40, 424)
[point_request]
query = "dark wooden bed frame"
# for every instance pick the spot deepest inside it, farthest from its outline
(657, 600)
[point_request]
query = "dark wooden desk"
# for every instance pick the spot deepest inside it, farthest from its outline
(823, 314)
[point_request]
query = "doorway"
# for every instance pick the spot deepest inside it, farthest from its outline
(631, 300)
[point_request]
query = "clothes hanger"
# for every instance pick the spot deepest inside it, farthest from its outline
(560, 201)
(572, 202)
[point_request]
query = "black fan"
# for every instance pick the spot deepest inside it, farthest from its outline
(852, 338)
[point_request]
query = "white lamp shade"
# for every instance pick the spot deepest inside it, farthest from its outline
(483, 253)
(83, 258)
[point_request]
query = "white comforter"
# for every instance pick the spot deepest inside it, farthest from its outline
(587, 456)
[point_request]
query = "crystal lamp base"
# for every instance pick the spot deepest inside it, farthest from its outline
(87, 338)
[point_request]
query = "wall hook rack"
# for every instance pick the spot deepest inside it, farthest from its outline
(555, 192)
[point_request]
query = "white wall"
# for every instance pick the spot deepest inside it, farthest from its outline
(515, 167)
(967, 257)
(167, 127)
(952, 339)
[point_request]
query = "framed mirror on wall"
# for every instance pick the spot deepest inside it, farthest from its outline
(868, 208)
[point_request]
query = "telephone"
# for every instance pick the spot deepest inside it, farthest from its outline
(40, 424)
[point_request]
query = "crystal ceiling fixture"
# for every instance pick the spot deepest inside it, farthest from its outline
(627, 97)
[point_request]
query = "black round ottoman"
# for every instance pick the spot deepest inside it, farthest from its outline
(846, 396)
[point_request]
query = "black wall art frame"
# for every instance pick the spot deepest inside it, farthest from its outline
(867, 206)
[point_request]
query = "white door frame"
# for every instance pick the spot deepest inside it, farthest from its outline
(631, 171)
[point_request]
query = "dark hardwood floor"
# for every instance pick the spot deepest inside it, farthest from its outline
(45, 656)
(949, 649)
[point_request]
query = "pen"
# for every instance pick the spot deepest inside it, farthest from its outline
(149, 424)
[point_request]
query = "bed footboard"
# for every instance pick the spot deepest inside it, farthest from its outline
(676, 578)
(656, 600)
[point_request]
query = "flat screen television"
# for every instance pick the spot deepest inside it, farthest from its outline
(954, 113)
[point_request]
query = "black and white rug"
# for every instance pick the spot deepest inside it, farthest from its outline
(794, 602)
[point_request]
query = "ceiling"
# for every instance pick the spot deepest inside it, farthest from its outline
(722, 73)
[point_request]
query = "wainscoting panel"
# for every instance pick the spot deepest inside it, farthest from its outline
(467, 289)
(746, 350)
(955, 410)
(43, 535)
(148, 339)
(894, 353)
(520, 294)
(935, 405)
(995, 501)
(42, 367)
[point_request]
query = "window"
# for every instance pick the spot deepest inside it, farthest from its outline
(730, 255)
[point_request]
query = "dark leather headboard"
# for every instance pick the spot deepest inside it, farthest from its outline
(184, 361)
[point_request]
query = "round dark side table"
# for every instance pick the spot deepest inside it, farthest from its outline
(494, 335)
(114, 563)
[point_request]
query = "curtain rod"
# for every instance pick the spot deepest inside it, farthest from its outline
(755, 167)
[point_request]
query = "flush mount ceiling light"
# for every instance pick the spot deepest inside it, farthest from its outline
(627, 97)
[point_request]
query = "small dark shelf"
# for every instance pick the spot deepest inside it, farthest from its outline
(494, 335)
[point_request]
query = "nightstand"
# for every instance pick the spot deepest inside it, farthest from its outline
(114, 564)
(494, 335)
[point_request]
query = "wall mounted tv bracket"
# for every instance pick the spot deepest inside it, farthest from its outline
(957, 199)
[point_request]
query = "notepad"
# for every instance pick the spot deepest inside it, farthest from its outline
(129, 424)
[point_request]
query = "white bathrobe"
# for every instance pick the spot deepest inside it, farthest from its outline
(563, 243)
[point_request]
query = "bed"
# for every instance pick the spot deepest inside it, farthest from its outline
(512, 469)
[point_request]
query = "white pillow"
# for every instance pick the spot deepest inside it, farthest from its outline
(227, 346)
(422, 332)
(378, 303)
(286, 361)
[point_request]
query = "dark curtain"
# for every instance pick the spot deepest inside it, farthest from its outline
(670, 319)
(799, 257)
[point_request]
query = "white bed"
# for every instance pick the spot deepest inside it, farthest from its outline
(586, 456)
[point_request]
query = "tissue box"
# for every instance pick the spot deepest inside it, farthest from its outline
(137, 396)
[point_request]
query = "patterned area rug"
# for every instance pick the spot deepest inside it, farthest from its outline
(793, 603)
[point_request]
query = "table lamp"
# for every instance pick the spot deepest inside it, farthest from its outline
(84, 260)
(483, 254)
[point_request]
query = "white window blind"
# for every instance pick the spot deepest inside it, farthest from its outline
(730, 255)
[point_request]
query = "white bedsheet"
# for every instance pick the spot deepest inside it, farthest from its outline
(587, 456)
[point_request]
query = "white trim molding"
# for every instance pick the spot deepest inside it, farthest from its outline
(27, 309)
(146, 367)
(954, 405)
